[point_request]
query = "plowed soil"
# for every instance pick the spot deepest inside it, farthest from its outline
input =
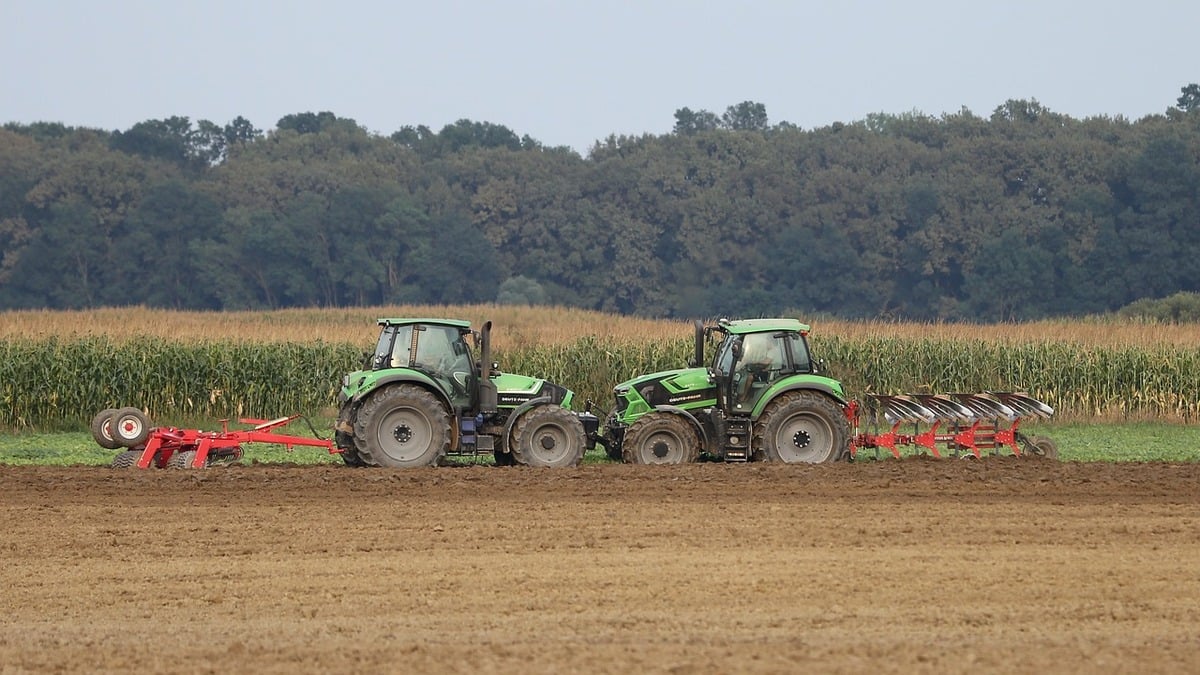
(906, 566)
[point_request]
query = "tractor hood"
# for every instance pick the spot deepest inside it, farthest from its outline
(683, 388)
(513, 390)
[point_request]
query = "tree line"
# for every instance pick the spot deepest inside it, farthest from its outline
(1023, 214)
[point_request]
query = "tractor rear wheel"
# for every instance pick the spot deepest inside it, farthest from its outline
(345, 443)
(548, 435)
(802, 427)
(402, 426)
(102, 429)
(661, 438)
(129, 427)
(127, 459)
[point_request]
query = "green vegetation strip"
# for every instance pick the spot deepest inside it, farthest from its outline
(1141, 442)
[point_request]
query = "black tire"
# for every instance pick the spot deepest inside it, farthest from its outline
(126, 460)
(343, 437)
(182, 459)
(350, 454)
(102, 429)
(130, 427)
(504, 458)
(547, 435)
(402, 426)
(661, 438)
(802, 427)
(1042, 446)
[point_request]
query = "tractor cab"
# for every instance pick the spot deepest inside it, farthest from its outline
(754, 355)
(439, 350)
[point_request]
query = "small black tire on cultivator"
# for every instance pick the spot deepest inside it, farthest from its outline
(960, 423)
(1041, 446)
(126, 460)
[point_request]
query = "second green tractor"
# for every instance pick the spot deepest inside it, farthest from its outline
(762, 398)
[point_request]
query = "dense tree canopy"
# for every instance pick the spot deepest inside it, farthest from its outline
(1022, 214)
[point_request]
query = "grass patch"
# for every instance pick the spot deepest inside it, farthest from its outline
(1077, 442)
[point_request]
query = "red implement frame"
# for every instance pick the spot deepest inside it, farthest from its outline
(970, 422)
(165, 442)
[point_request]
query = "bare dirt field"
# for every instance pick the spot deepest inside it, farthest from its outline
(894, 566)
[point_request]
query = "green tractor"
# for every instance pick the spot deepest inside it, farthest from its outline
(762, 398)
(422, 396)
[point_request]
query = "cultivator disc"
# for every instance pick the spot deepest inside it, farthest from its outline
(957, 422)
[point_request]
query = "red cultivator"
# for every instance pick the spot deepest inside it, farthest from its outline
(182, 448)
(959, 423)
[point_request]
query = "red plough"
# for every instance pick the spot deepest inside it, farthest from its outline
(960, 423)
(164, 447)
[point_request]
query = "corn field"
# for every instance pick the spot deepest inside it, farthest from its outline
(59, 382)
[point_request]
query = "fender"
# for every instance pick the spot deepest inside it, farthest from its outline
(350, 409)
(704, 441)
(408, 376)
(517, 412)
(773, 394)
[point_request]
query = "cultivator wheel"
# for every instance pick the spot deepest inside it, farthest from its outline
(661, 438)
(962, 424)
(127, 459)
(549, 436)
(1041, 446)
(102, 429)
(129, 427)
(182, 459)
(802, 427)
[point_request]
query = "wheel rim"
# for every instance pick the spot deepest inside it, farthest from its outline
(662, 447)
(804, 438)
(128, 427)
(550, 443)
(405, 434)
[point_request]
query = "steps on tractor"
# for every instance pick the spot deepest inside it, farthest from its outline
(735, 442)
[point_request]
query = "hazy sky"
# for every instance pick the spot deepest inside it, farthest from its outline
(570, 73)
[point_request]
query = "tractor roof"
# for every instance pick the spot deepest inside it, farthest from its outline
(457, 323)
(743, 326)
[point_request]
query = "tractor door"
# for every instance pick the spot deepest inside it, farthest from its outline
(442, 353)
(764, 360)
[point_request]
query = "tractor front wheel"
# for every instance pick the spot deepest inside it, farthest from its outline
(661, 438)
(802, 427)
(402, 426)
(548, 435)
